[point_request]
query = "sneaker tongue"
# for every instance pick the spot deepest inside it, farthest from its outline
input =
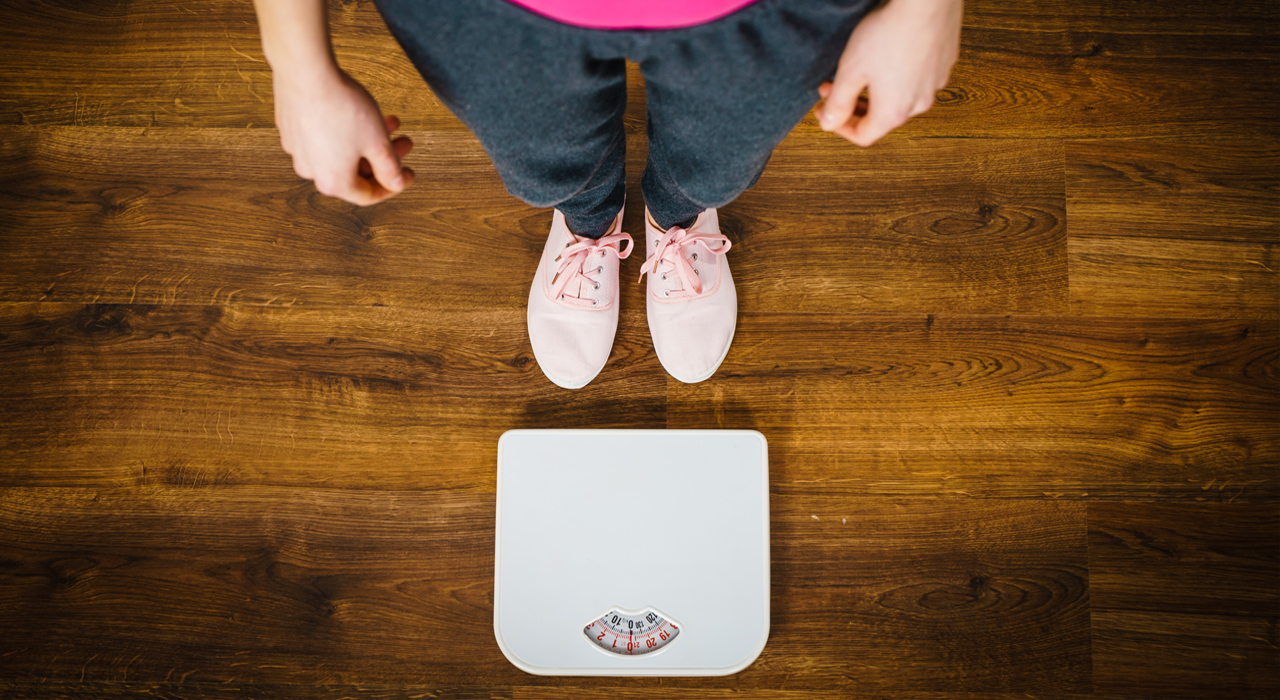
(579, 285)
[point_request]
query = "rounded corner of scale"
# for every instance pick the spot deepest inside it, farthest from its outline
(511, 655)
(750, 658)
(506, 435)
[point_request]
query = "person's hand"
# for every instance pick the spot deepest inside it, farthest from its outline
(901, 54)
(337, 136)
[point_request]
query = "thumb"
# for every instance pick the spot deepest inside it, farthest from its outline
(884, 115)
(843, 98)
(386, 167)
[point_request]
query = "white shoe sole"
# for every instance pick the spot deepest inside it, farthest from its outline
(706, 376)
(556, 380)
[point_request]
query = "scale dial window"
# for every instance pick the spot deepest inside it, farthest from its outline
(628, 633)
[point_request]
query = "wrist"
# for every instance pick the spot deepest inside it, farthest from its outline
(921, 8)
(295, 38)
(304, 67)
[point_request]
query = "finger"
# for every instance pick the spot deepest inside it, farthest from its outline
(846, 130)
(859, 110)
(841, 101)
(824, 90)
(882, 117)
(402, 145)
(302, 169)
(392, 122)
(922, 105)
(386, 166)
(362, 192)
(375, 192)
(380, 193)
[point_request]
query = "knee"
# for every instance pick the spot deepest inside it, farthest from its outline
(548, 179)
(717, 186)
(536, 186)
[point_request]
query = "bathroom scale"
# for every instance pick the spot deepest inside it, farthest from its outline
(632, 552)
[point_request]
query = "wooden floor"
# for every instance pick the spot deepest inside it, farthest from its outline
(1021, 383)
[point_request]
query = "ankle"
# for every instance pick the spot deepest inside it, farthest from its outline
(586, 232)
(679, 224)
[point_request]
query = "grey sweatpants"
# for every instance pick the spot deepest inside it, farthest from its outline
(546, 99)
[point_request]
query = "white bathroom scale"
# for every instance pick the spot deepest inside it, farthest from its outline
(632, 552)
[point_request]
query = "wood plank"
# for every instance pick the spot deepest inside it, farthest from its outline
(1226, 17)
(1185, 655)
(216, 216)
(963, 226)
(211, 216)
(928, 595)
(1208, 558)
(247, 585)
(1043, 407)
(1174, 229)
(215, 396)
(1186, 598)
(408, 398)
(267, 585)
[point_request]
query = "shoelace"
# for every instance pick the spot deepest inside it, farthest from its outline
(573, 261)
(671, 249)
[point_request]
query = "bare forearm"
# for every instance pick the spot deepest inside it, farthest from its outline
(295, 37)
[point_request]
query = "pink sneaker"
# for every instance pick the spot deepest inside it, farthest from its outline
(573, 303)
(693, 308)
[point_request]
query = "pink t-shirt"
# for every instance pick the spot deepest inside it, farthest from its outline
(633, 14)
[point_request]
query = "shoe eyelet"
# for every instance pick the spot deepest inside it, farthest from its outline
(597, 285)
(602, 253)
(600, 269)
(695, 257)
(666, 292)
(697, 273)
(664, 275)
(595, 302)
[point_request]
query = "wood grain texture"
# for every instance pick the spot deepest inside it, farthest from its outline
(267, 585)
(212, 396)
(1174, 229)
(216, 216)
(405, 398)
(966, 226)
(1185, 597)
(1031, 407)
